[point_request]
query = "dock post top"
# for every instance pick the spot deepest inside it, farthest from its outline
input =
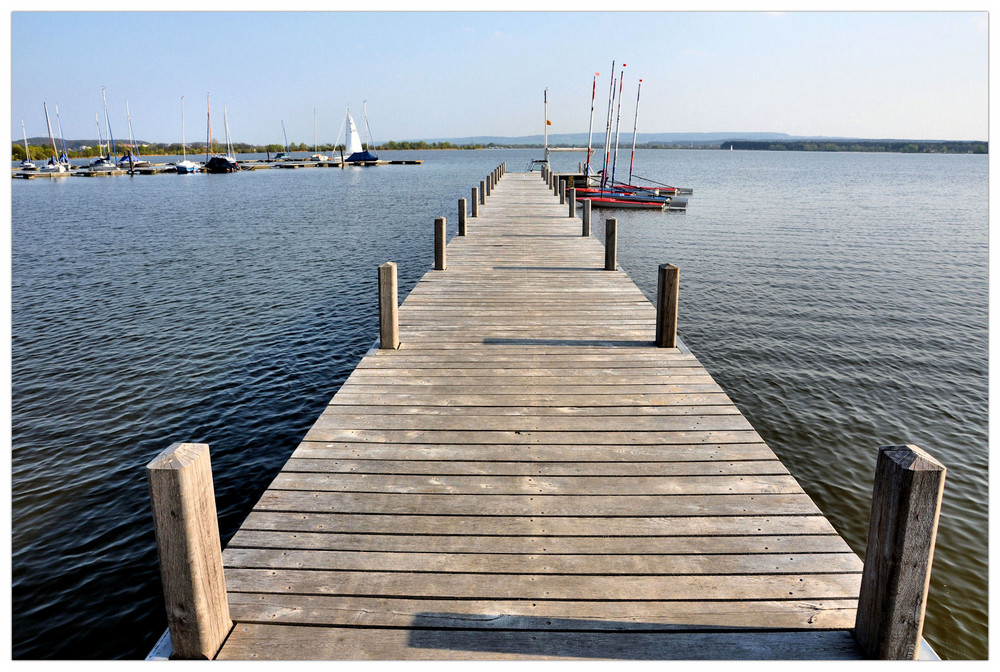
(189, 550)
(906, 506)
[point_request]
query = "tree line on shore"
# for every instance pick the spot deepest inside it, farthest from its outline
(898, 146)
(42, 152)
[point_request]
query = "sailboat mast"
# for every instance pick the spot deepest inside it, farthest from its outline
(368, 129)
(183, 145)
(635, 125)
(225, 120)
(621, 82)
(314, 130)
(27, 152)
(62, 136)
(131, 139)
(100, 139)
(283, 136)
(590, 136)
(546, 132)
(607, 128)
(107, 121)
(208, 143)
(55, 153)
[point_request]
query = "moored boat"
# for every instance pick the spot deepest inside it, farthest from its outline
(26, 163)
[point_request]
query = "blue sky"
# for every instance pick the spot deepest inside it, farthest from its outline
(452, 74)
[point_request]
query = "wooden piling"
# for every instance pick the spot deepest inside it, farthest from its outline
(906, 504)
(475, 202)
(562, 192)
(461, 216)
(571, 198)
(489, 188)
(388, 302)
(189, 550)
(482, 192)
(586, 217)
(610, 244)
(666, 306)
(440, 262)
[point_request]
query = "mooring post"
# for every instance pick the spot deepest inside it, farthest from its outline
(488, 181)
(440, 241)
(906, 504)
(475, 202)
(482, 192)
(586, 217)
(461, 216)
(610, 244)
(388, 315)
(666, 306)
(571, 197)
(189, 550)
(562, 192)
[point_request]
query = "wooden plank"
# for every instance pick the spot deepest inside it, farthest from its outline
(282, 642)
(593, 486)
(744, 539)
(538, 505)
(512, 468)
(566, 564)
(609, 616)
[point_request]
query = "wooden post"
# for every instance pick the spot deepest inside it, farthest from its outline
(571, 198)
(189, 550)
(586, 217)
(482, 192)
(562, 192)
(666, 306)
(488, 182)
(388, 316)
(610, 244)
(461, 216)
(906, 503)
(440, 262)
(475, 202)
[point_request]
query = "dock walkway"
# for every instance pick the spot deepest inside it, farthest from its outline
(527, 476)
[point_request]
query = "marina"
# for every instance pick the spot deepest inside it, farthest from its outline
(168, 168)
(529, 464)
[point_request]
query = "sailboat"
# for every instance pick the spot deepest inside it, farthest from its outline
(184, 166)
(53, 165)
(220, 164)
(357, 154)
(132, 155)
(283, 156)
(26, 164)
(106, 161)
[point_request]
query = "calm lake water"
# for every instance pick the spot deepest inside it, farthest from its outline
(840, 299)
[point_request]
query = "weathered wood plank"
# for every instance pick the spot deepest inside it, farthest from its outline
(547, 528)
(277, 642)
(566, 564)
(335, 610)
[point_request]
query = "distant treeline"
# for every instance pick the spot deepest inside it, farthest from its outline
(420, 144)
(861, 146)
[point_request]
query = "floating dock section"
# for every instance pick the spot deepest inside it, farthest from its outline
(517, 471)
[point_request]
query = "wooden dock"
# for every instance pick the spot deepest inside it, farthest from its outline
(527, 476)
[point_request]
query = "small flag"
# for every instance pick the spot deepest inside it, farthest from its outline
(548, 123)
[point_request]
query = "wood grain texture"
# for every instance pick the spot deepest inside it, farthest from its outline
(189, 550)
(529, 476)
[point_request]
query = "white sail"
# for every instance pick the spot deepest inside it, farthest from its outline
(353, 139)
